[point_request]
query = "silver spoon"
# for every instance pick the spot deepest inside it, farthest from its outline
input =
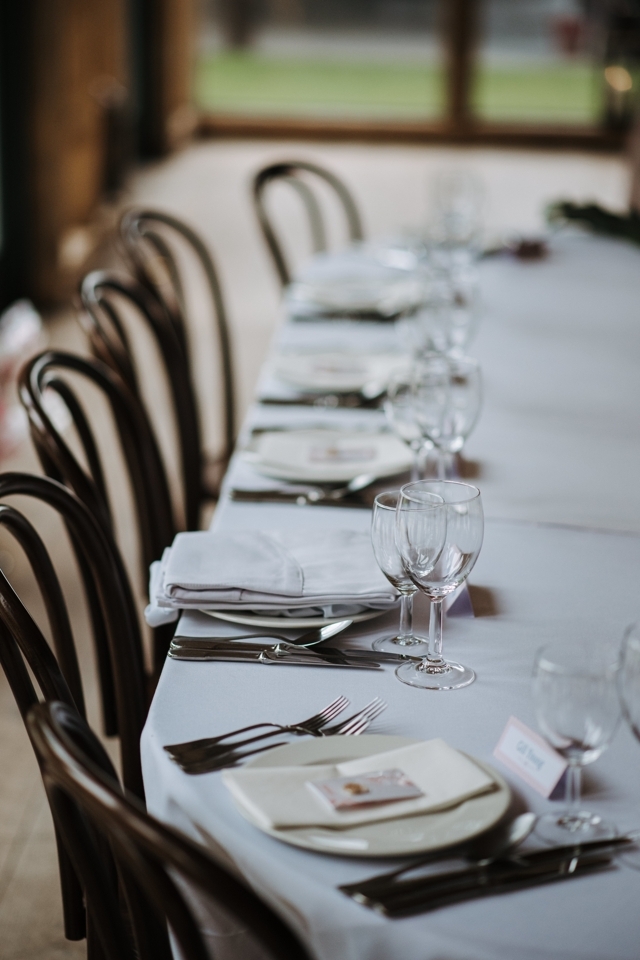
(514, 834)
(337, 493)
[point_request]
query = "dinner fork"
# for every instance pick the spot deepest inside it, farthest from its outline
(314, 722)
(352, 726)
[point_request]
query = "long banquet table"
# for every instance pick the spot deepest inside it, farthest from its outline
(559, 461)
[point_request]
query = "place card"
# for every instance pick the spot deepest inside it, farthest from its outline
(527, 754)
(349, 793)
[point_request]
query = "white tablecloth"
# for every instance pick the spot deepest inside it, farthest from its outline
(557, 443)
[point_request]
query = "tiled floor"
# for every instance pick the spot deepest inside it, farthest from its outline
(207, 184)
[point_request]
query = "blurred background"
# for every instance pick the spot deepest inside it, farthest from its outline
(90, 89)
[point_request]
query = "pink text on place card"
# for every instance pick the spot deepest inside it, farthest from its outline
(343, 454)
(531, 757)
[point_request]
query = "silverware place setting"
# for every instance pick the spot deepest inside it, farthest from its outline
(509, 870)
(216, 753)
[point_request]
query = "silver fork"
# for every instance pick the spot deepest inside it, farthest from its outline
(210, 746)
(352, 726)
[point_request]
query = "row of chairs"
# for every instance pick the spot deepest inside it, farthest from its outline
(116, 863)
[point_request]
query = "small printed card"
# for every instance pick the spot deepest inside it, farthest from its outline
(348, 793)
(343, 454)
(531, 757)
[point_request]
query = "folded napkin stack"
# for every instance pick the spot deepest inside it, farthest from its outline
(282, 798)
(294, 573)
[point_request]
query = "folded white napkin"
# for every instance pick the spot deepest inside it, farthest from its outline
(281, 798)
(329, 574)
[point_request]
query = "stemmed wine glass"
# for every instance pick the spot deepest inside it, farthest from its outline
(447, 394)
(401, 413)
(420, 521)
(383, 539)
(629, 691)
(577, 708)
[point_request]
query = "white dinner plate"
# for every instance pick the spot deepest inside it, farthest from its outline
(291, 623)
(328, 456)
(387, 838)
(341, 372)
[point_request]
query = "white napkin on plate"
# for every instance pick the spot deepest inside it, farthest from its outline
(331, 574)
(280, 797)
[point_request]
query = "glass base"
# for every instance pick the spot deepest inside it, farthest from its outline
(569, 826)
(413, 646)
(435, 675)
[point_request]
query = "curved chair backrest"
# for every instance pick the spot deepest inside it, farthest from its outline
(117, 642)
(152, 240)
(296, 173)
(100, 293)
(154, 515)
(88, 804)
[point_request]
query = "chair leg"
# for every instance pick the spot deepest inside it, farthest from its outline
(74, 916)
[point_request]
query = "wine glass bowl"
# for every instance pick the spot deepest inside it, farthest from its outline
(458, 523)
(383, 540)
(576, 704)
(447, 394)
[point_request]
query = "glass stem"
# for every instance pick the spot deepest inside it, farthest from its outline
(405, 630)
(436, 615)
(442, 465)
(572, 788)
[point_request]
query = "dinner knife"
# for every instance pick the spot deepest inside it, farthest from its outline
(447, 892)
(494, 873)
(212, 643)
(234, 654)
(302, 498)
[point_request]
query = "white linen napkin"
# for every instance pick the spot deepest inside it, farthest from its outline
(280, 797)
(331, 574)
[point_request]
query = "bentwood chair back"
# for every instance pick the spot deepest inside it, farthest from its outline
(145, 468)
(89, 805)
(300, 175)
(117, 642)
(157, 245)
(150, 488)
(103, 295)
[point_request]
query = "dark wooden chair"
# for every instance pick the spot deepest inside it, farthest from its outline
(146, 856)
(116, 638)
(154, 515)
(156, 244)
(103, 295)
(299, 174)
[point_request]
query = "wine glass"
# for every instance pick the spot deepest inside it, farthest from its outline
(576, 703)
(447, 394)
(420, 521)
(400, 411)
(383, 539)
(629, 691)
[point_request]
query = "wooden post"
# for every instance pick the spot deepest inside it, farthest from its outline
(460, 31)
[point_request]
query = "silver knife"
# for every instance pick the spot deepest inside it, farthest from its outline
(302, 498)
(236, 655)
(212, 643)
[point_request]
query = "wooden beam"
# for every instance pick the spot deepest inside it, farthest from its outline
(534, 136)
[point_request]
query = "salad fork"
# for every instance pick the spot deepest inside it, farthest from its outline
(352, 726)
(193, 748)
